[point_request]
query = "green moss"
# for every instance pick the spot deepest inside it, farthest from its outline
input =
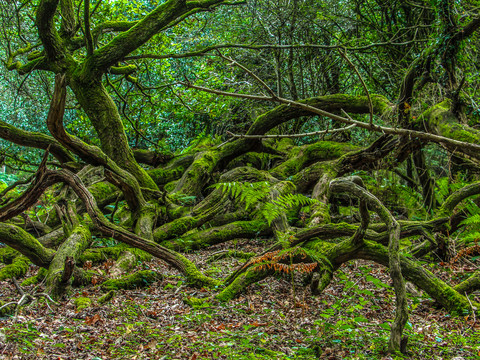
(319, 246)
(24, 242)
(253, 159)
(414, 272)
(33, 280)
(440, 119)
(165, 176)
(123, 70)
(99, 255)
(196, 302)
(125, 216)
(236, 254)
(458, 132)
(107, 297)
(82, 303)
(103, 190)
(16, 269)
(137, 280)
(319, 213)
(303, 156)
(175, 228)
(195, 277)
(285, 144)
(7, 254)
(216, 235)
(140, 255)
(169, 187)
(198, 173)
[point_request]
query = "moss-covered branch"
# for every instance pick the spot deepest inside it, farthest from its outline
(34, 139)
(61, 267)
(26, 244)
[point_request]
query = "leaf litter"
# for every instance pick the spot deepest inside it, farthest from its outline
(273, 319)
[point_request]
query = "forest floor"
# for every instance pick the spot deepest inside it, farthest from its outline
(275, 319)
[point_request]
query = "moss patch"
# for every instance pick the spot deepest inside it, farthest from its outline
(16, 269)
(82, 303)
(107, 297)
(7, 254)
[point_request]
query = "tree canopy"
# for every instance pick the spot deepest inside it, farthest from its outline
(337, 130)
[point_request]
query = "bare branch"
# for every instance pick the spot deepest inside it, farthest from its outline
(410, 134)
(370, 105)
(321, 132)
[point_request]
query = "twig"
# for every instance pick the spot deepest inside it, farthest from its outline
(249, 72)
(7, 304)
(19, 289)
(471, 306)
(370, 104)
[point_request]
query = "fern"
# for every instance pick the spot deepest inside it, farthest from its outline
(471, 230)
(473, 219)
(249, 193)
(282, 261)
(274, 209)
(253, 193)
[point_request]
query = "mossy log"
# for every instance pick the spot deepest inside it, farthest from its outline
(440, 119)
(469, 285)
(215, 203)
(140, 279)
(62, 265)
(26, 244)
(245, 279)
(107, 297)
(45, 178)
(217, 235)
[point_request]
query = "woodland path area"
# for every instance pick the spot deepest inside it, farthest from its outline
(318, 161)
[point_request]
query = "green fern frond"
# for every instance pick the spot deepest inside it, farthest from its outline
(472, 220)
(253, 193)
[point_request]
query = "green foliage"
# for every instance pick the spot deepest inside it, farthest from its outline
(8, 179)
(107, 297)
(182, 199)
(445, 187)
(256, 193)
(471, 231)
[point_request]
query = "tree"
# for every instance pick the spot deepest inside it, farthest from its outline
(212, 192)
